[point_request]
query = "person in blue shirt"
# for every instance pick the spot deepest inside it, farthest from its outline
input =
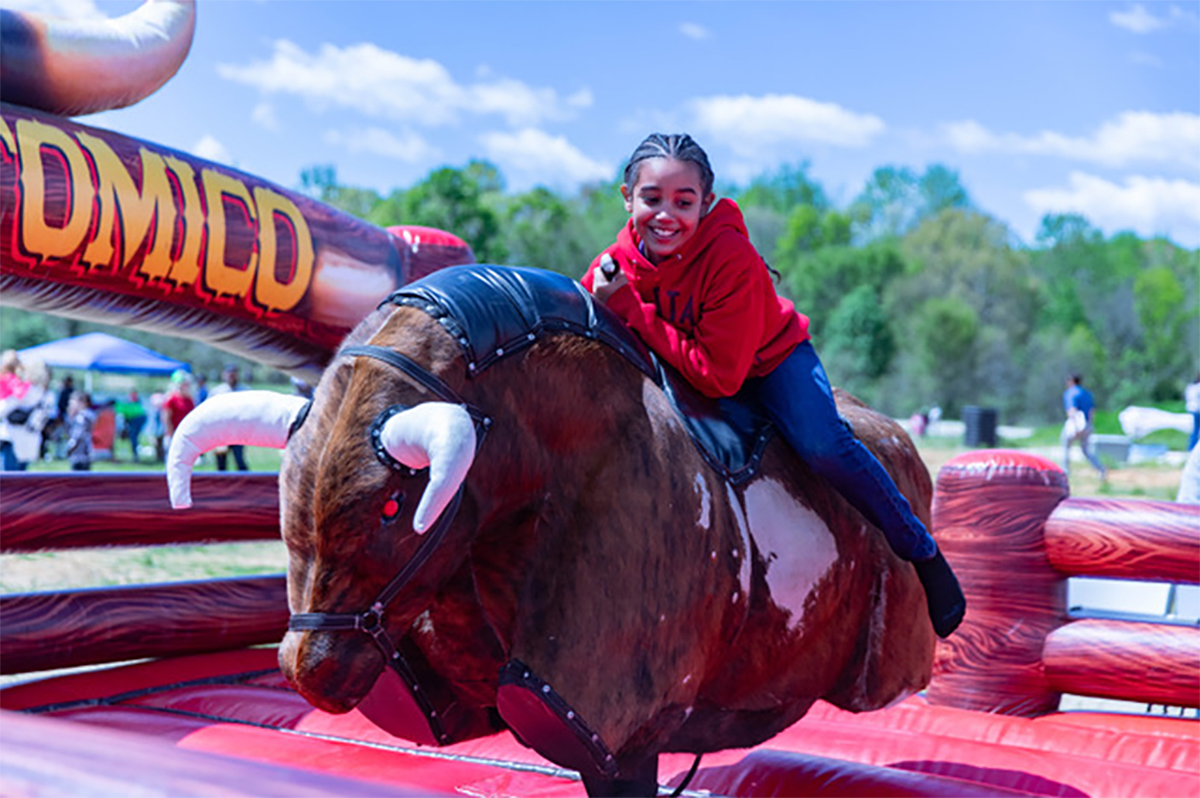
(1080, 408)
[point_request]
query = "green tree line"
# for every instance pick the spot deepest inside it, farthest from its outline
(917, 297)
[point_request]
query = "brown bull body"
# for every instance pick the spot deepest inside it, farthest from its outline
(666, 608)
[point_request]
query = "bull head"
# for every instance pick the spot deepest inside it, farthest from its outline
(436, 435)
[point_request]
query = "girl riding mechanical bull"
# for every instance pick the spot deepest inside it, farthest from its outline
(578, 568)
(684, 275)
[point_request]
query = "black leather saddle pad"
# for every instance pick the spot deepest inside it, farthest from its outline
(496, 311)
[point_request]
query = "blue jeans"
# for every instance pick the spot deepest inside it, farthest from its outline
(799, 399)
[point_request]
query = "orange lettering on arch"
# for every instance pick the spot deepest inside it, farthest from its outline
(221, 277)
(38, 236)
(270, 291)
(118, 199)
(185, 269)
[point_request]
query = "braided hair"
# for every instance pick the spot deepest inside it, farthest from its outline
(679, 146)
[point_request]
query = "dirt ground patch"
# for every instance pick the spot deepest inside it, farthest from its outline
(1156, 480)
(57, 570)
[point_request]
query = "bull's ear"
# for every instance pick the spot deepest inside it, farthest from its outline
(435, 434)
(249, 418)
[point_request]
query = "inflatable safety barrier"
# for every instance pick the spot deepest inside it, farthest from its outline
(987, 725)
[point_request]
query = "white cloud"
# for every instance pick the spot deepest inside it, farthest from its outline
(519, 103)
(694, 31)
(264, 116)
(1133, 136)
(211, 150)
(536, 157)
(382, 83)
(749, 125)
(1138, 20)
(1147, 205)
(407, 147)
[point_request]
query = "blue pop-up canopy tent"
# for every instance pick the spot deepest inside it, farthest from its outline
(103, 352)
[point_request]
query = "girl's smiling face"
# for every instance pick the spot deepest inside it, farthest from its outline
(666, 204)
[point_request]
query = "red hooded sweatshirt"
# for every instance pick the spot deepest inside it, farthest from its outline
(710, 310)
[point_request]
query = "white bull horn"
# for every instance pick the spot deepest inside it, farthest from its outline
(251, 418)
(80, 66)
(435, 434)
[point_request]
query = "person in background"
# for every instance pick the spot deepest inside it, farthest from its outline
(54, 435)
(25, 414)
(13, 388)
(176, 404)
(154, 425)
(134, 416)
(1191, 400)
(201, 388)
(1080, 408)
(80, 421)
(63, 399)
(1189, 480)
(231, 383)
(918, 423)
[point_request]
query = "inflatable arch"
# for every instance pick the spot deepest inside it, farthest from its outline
(107, 228)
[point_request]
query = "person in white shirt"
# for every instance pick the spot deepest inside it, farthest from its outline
(1191, 400)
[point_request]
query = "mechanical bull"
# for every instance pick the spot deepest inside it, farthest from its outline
(501, 511)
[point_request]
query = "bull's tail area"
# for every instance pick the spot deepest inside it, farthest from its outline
(894, 652)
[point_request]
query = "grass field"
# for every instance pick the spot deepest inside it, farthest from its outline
(115, 566)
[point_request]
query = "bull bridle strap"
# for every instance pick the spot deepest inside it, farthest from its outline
(431, 382)
(371, 621)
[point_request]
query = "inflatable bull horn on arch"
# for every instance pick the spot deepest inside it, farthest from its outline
(494, 507)
(105, 228)
(68, 67)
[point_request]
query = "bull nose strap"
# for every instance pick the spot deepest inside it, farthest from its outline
(329, 621)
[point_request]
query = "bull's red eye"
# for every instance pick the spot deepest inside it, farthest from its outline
(391, 507)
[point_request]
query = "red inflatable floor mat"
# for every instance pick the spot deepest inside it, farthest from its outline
(237, 704)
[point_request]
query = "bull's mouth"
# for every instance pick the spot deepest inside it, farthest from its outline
(333, 671)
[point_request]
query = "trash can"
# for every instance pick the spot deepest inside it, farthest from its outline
(979, 426)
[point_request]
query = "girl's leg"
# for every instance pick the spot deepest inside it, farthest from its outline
(798, 397)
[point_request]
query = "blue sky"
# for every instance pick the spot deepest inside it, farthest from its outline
(1088, 107)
